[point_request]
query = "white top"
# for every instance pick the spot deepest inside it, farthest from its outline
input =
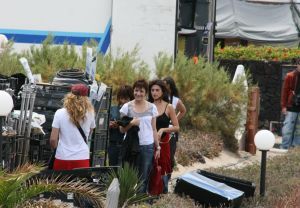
(175, 101)
(146, 131)
(71, 145)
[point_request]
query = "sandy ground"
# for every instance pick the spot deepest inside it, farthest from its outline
(226, 159)
(229, 159)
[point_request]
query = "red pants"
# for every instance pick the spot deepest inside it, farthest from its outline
(70, 164)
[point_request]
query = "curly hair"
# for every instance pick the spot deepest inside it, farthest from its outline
(77, 107)
(125, 91)
(141, 84)
(296, 61)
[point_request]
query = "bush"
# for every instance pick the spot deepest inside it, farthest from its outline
(256, 53)
(213, 102)
(49, 58)
(123, 68)
(9, 61)
(193, 145)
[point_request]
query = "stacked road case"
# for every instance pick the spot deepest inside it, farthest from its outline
(99, 141)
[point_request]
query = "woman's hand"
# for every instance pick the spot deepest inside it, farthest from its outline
(160, 133)
(135, 122)
(113, 124)
(157, 154)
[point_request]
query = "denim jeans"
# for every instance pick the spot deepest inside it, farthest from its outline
(165, 179)
(291, 130)
(145, 164)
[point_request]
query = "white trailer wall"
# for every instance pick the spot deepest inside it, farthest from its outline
(31, 21)
(148, 23)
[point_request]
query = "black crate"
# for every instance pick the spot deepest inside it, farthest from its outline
(98, 148)
(247, 187)
(208, 192)
(50, 96)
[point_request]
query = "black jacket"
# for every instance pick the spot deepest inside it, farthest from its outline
(130, 146)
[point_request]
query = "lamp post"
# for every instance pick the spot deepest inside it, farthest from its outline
(264, 140)
(5, 109)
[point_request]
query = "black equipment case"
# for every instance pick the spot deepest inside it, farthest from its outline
(208, 192)
(247, 187)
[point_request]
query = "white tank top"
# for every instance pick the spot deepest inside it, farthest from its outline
(175, 101)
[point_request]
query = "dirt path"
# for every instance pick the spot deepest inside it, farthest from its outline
(226, 159)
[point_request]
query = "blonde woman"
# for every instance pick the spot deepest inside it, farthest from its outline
(71, 146)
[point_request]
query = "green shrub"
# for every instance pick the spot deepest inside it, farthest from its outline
(49, 58)
(252, 52)
(213, 102)
(123, 68)
(9, 61)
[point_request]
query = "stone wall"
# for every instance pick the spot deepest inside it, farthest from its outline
(269, 77)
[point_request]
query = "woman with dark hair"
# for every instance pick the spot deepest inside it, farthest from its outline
(166, 113)
(179, 107)
(70, 142)
(124, 95)
(144, 117)
(174, 97)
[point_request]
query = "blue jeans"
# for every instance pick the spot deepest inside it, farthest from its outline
(291, 130)
(145, 163)
(165, 179)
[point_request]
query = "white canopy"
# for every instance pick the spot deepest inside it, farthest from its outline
(258, 22)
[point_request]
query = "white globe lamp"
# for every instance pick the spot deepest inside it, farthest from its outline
(264, 140)
(7, 103)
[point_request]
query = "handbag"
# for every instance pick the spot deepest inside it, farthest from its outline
(155, 182)
(52, 157)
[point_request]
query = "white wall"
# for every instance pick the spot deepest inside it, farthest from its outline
(148, 23)
(89, 16)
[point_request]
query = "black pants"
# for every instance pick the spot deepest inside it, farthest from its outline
(115, 154)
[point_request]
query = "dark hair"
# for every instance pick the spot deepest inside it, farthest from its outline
(141, 83)
(125, 91)
(296, 61)
(173, 88)
(162, 85)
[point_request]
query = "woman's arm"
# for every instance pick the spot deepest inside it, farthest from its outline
(181, 110)
(133, 122)
(156, 140)
(174, 120)
(54, 138)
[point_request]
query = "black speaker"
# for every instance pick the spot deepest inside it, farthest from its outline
(186, 13)
(208, 192)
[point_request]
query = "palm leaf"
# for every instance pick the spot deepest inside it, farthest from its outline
(130, 184)
(18, 187)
